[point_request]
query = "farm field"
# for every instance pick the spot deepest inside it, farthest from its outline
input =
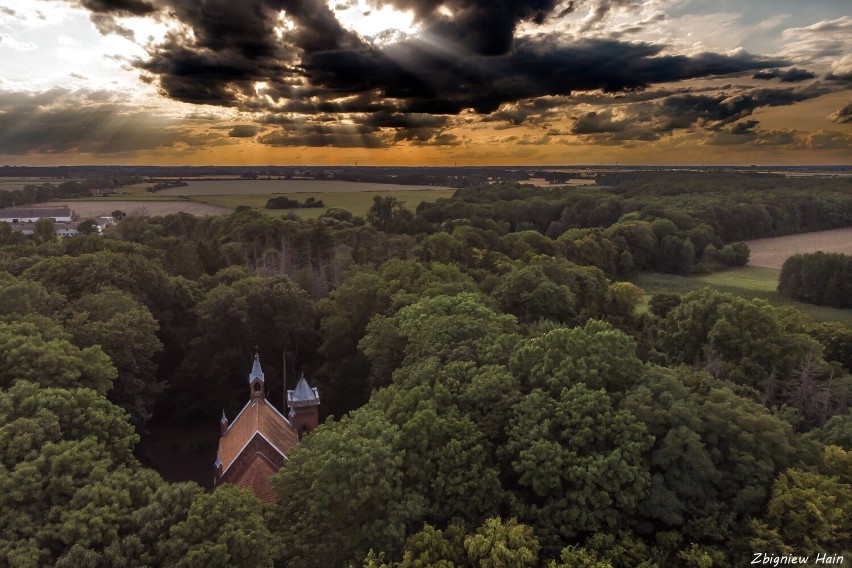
(93, 208)
(15, 183)
(540, 182)
(748, 282)
(286, 186)
(217, 197)
(772, 252)
(357, 202)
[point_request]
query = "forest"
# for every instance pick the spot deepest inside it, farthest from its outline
(495, 391)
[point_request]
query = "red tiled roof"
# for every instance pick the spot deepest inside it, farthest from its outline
(257, 417)
(258, 477)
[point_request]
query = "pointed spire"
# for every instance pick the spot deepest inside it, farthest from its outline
(223, 423)
(303, 394)
(256, 371)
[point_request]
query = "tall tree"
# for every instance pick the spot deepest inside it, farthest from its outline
(127, 332)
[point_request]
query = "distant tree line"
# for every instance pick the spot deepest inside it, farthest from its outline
(282, 202)
(40, 193)
(167, 184)
(818, 278)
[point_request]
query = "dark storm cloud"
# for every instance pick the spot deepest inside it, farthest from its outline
(121, 7)
(60, 120)
(651, 119)
(431, 80)
(594, 122)
(682, 111)
(243, 131)
(842, 115)
(792, 75)
(241, 55)
(107, 25)
(825, 140)
(747, 132)
(469, 61)
(341, 136)
(745, 127)
(483, 27)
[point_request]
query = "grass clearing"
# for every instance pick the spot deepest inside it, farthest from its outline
(749, 282)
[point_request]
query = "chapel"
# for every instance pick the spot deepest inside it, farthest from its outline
(255, 444)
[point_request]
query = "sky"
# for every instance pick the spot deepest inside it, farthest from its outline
(425, 82)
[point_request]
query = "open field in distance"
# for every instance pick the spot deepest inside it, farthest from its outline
(541, 182)
(357, 202)
(217, 197)
(285, 186)
(748, 282)
(105, 207)
(15, 183)
(772, 252)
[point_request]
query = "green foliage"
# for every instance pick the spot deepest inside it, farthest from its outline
(836, 340)
(837, 431)
(44, 230)
(389, 214)
(87, 227)
(433, 548)
(735, 254)
(282, 202)
(68, 479)
(596, 354)
(125, 329)
(714, 456)
(222, 529)
(577, 464)
(345, 474)
(20, 297)
(40, 351)
(31, 417)
(497, 545)
(448, 328)
(551, 288)
(818, 278)
(76, 276)
(531, 295)
(579, 557)
(447, 464)
(270, 312)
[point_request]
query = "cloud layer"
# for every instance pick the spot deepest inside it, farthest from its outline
(294, 73)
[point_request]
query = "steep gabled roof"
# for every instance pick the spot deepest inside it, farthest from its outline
(258, 417)
(257, 476)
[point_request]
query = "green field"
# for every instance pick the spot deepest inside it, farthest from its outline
(16, 183)
(748, 282)
(199, 187)
(359, 203)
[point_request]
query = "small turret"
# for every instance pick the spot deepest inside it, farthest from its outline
(257, 385)
(304, 407)
(223, 423)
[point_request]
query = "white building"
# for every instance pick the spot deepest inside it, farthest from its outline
(61, 214)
